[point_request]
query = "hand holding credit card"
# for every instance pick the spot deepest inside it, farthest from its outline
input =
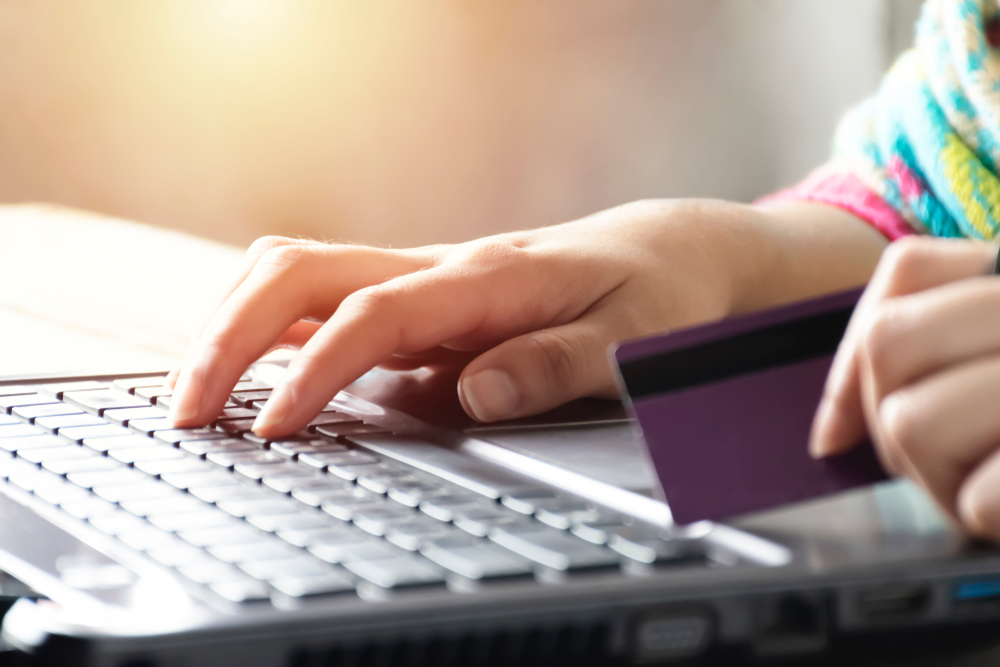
(725, 409)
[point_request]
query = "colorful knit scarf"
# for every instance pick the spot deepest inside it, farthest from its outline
(928, 143)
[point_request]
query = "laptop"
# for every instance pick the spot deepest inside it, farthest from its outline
(394, 531)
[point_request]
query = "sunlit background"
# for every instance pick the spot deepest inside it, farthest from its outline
(403, 123)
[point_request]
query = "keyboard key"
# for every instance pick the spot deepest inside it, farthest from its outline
(89, 480)
(238, 533)
(314, 492)
(552, 548)
(481, 520)
(65, 466)
(21, 400)
(344, 506)
(179, 555)
(134, 454)
(330, 419)
(381, 482)
(57, 494)
(9, 420)
(268, 505)
(527, 502)
(152, 393)
(447, 507)
(96, 402)
(231, 490)
(18, 390)
(236, 413)
(329, 583)
(211, 572)
(19, 431)
(415, 533)
(32, 479)
(189, 480)
(162, 401)
(400, 572)
(647, 545)
(235, 427)
(181, 466)
(203, 448)
(117, 523)
(230, 459)
(54, 424)
(78, 434)
(320, 460)
(256, 471)
(35, 441)
(292, 449)
(129, 385)
(242, 592)
(246, 398)
(121, 493)
(264, 550)
(104, 445)
(563, 514)
(209, 517)
(148, 427)
(59, 390)
(32, 412)
(476, 559)
(148, 538)
(251, 386)
(288, 480)
(294, 565)
(345, 430)
(145, 506)
(122, 416)
(596, 532)
(174, 436)
(292, 528)
(86, 508)
(379, 518)
(335, 546)
(413, 493)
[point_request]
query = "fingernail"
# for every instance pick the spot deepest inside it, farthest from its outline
(490, 395)
(275, 411)
(188, 403)
(818, 447)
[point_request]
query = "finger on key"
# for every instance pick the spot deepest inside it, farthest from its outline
(287, 284)
(908, 266)
(408, 314)
(254, 253)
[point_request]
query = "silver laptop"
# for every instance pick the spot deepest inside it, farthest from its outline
(395, 531)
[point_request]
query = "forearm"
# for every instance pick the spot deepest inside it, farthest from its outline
(797, 250)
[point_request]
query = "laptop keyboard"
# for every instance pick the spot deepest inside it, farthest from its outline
(338, 507)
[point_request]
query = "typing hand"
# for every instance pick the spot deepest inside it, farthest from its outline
(541, 308)
(919, 370)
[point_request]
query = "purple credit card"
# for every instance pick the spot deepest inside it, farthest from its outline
(725, 409)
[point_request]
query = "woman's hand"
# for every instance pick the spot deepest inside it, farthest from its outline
(919, 367)
(539, 307)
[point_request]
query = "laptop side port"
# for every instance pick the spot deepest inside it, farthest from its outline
(891, 603)
(791, 624)
(672, 633)
(976, 595)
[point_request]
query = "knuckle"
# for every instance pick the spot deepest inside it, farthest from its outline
(900, 424)
(265, 243)
(373, 300)
(880, 340)
(494, 253)
(561, 358)
(905, 259)
(282, 259)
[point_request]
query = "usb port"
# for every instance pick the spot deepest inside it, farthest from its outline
(893, 602)
(977, 595)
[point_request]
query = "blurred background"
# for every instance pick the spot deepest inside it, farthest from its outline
(405, 123)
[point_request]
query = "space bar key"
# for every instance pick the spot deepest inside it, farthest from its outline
(466, 471)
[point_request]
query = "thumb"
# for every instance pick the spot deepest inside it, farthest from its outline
(538, 371)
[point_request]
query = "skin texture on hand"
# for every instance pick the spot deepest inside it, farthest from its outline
(919, 371)
(531, 313)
